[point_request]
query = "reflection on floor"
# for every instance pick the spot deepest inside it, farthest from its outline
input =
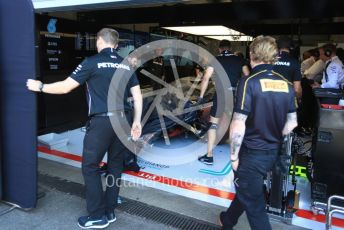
(186, 176)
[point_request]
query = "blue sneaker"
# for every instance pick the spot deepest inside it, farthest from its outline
(86, 222)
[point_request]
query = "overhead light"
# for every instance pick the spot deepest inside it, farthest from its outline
(41, 4)
(241, 38)
(204, 30)
(214, 32)
(56, 5)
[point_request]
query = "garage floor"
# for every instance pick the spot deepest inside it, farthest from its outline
(207, 190)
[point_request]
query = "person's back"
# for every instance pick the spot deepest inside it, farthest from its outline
(264, 112)
(102, 67)
(233, 65)
(288, 66)
(270, 96)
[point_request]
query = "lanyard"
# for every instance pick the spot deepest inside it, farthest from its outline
(326, 75)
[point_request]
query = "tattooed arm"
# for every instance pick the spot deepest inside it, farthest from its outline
(290, 124)
(236, 135)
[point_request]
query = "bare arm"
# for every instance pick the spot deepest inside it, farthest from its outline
(290, 124)
(315, 69)
(298, 89)
(205, 80)
(236, 134)
(137, 97)
(245, 70)
(60, 87)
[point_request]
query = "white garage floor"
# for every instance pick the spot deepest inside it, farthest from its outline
(192, 180)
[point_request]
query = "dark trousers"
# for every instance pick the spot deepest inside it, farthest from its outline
(308, 105)
(99, 139)
(248, 180)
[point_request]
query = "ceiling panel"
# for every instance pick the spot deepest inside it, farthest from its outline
(75, 5)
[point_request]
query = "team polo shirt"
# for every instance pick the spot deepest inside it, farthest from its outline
(266, 98)
(156, 66)
(233, 65)
(288, 67)
(97, 72)
(333, 75)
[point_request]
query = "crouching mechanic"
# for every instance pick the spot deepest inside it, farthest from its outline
(97, 72)
(264, 112)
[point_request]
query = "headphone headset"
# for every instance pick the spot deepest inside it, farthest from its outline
(328, 50)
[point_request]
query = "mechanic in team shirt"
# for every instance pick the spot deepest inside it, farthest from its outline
(97, 73)
(265, 111)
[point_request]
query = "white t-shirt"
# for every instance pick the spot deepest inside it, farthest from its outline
(306, 64)
(315, 70)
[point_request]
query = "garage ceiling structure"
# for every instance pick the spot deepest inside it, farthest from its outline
(251, 17)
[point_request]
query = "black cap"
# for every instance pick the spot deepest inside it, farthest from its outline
(225, 43)
(284, 43)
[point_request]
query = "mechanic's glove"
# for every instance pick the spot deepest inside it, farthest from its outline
(200, 101)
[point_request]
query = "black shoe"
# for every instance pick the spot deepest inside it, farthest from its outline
(86, 222)
(111, 217)
(206, 160)
(133, 166)
(221, 217)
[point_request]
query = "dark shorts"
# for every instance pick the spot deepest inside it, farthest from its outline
(216, 111)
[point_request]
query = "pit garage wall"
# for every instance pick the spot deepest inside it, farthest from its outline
(18, 105)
